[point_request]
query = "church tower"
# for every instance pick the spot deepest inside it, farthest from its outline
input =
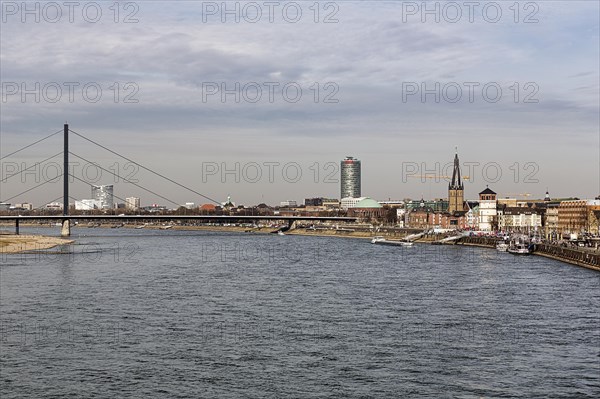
(456, 189)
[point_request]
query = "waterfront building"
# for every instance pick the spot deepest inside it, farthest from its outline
(103, 194)
(487, 210)
(456, 189)
(593, 211)
(508, 202)
(401, 217)
(349, 202)
(350, 178)
(446, 220)
(132, 203)
(551, 221)
(392, 203)
(572, 216)
(367, 209)
(472, 215)
(4, 206)
(418, 218)
(519, 219)
(437, 205)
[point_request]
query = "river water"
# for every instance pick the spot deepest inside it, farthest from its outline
(140, 313)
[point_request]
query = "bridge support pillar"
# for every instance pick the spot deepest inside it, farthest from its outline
(65, 231)
(17, 226)
(291, 225)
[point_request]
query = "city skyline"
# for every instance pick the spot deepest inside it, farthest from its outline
(436, 180)
(180, 125)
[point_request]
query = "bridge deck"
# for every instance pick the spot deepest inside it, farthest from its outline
(176, 217)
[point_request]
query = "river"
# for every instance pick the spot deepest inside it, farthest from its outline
(146, 313)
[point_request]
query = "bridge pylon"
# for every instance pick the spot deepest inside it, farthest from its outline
(66, 224)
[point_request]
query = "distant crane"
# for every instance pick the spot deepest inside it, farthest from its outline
(432, 176)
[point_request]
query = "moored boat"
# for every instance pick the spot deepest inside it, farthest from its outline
(502, 246)
(520, 245)
(382, 241)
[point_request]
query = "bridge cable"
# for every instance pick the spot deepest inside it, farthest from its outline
(37, 163)
(41, 206)
(28, 190)
(32, 144)
(124, 179)
(142, 166)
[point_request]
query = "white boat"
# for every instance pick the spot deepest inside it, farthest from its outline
(382, 241)
(519, 245)
(166, 227)
(280, 233)
(502, 246)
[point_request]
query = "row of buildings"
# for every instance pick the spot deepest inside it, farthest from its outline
(554, 218)
(488, 213)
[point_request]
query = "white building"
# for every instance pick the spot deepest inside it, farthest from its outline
(104, 194)
(349, 202)
(54, 206)
(132, 203)
(288, 203)
(519, 219)
(472, 215)
(488, 215)
(25, 205)
(87, 205)
(400, 216)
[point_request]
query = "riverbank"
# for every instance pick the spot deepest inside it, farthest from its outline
(13, 244)
(574, 256)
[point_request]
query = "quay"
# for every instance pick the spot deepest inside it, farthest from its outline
(575, 256)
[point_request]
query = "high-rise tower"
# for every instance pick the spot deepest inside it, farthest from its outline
(104, 195)
(350, 178)
(456, 189)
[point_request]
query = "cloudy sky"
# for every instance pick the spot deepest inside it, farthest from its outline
(261, 101)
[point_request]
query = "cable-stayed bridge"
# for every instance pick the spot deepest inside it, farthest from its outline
(65, 218)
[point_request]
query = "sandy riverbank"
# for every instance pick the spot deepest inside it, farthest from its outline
(345, 233)
(12, 244)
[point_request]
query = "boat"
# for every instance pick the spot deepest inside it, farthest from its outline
(519, 245)
(167, 227)
(141, 226)
(280, 233)
(501, 246)
(382, 241)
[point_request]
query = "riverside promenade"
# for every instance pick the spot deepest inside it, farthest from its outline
(587, 258)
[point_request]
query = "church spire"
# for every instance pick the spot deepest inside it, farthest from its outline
(456, 183)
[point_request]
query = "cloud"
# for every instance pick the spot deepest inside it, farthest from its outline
(171, 56)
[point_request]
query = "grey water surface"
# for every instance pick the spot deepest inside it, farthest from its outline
(147, 313)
